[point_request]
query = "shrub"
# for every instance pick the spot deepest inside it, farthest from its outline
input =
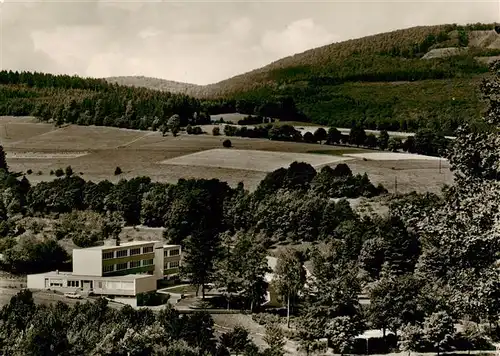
(118, 171)
(266, 318)
(151, 299)
(227, 143)
(59, 172)
(29, 171)
(189, 129)
(51, 172)
(197, 130)
(39, 173)
(216, 131)
(69, 171)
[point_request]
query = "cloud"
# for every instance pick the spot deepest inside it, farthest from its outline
(297, 37)
(199, 42)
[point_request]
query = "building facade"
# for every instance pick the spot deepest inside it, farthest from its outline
(171, 260)
(120, 271)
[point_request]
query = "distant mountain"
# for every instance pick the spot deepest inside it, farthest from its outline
(156, 83)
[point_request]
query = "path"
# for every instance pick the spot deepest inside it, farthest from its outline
(136, 139)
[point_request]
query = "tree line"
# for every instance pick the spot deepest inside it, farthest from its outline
(425, 141)
(94, 328)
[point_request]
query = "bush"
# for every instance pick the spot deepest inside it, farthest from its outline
(29, 171)
(151, 299)
(216, 131)
(51, 172)
(189, 129)
(69, 171)
(227, 143)
(265, 318)
(59, 172)
(118, 171)
(39, 173)
(197, 130)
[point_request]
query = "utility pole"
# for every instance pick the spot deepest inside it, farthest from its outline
(396, 185)
(439, 164)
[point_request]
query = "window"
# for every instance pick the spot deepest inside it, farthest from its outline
(174, 264)
(148, 249)
(121, 253)
(109, 268)
(74, 284)
(134, 264)
(121, 266)
(174, 252)
(56, 283)
(99, 285)
(108, 255)
(135, 251)
(147, 262)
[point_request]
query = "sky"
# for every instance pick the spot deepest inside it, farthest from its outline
(199, 42)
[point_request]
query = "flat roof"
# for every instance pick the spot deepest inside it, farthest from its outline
(171, 246)
(122, 244)
(129, 277)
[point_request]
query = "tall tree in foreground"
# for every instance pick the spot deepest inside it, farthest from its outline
(290, 277)
(3, 160)
(201, 251)
(242, 268)
(462, 237)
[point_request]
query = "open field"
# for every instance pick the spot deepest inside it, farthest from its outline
(13, 130)
(392, 156)
(251, 159)
(70, 138)
(139, 153)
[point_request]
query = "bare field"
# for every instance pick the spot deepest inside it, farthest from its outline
(138, 153)
(81, 138)
(252, 160)
(190, 143)
(12, 132)
(406, 175)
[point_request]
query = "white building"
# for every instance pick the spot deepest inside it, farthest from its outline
(120, 271)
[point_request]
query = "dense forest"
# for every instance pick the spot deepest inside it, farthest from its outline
(85, 101)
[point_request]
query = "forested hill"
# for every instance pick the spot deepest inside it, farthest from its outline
(87, 101)
(157, 84)
(403, 79)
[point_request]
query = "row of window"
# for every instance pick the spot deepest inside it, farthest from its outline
(125, 253)
(174, 264)
(172, 253)
(74, 284)
(127, 265)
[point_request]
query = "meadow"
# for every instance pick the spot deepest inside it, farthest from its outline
(94, 153)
